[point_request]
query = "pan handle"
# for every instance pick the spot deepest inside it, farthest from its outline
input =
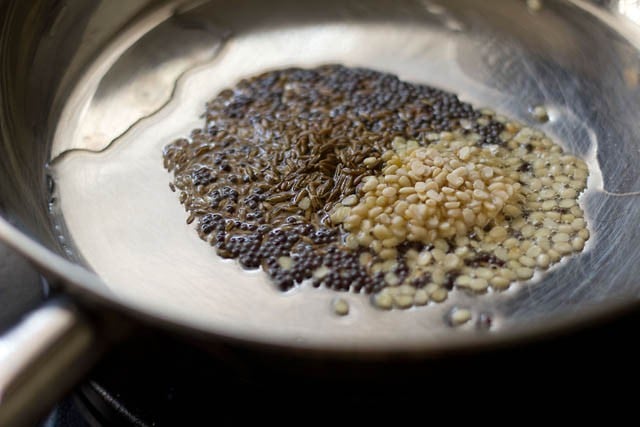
(42, 358)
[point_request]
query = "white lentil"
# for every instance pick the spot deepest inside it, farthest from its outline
(403, 301)
(384, 301)
(577, 243)
(534, 251)
(464, 281)
(421, 297)
(524, 273)
(451, 262)
(439, 295)
(564, 228)
(392, 279)
(527, 231)
(507, 274)
(285, 262)
(554, 255)
(484, 273)
(320, 272)
(340, 307)
(527, 261)
(542, 233)
(479, 284)
(443, 195)
(539, 112)
(370, 161)
(459, 316)
(499, 283)
(560, 237)
(543, 261)
(350, 201)
(563, 247)
(578, 224)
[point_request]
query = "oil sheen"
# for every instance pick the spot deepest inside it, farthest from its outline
(123, 222)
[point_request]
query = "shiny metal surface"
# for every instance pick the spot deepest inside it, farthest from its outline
(105, 109)
(43, 368)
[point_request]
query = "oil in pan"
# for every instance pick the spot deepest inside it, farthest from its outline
(123, 221)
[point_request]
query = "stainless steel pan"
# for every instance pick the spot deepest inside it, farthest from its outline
(90, 91)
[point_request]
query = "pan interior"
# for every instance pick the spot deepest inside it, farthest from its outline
(151, 84)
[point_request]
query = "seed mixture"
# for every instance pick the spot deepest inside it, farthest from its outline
(354, 180)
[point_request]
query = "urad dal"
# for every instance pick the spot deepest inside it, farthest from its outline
(354, 180)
